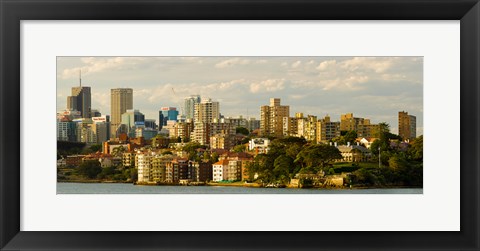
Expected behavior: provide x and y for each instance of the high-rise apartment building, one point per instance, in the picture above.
(203, 131)
(207, 111)
(350, 123)
(190, 106)
(181, 130)
(121, 101)
(81, 100)
(407, 125)
(290, 124)
(66, 130)
(327, 130)
(271, 118)
(362, 126)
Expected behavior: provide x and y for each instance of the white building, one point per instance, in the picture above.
(259, 145)
(143, 162)
(354, 153)
(220, 170)
(366, 141)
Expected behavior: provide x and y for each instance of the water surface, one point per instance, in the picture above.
(119, 188)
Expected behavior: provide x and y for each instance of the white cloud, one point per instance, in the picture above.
(297, 96)
(378, 65)
(100, 64)
(101, 101)
(269, 85)
(296, 64)
(232, 62)
(175, 93)
(327, 65)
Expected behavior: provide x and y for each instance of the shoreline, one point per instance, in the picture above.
(250, 185)
(94, 181)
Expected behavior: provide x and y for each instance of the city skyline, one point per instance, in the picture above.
(376, 88)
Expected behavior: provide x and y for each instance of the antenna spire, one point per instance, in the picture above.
(80, 77)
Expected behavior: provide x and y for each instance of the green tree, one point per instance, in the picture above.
(383, 142)
(345, 137)
(118, 151)
(351, 136)
(239, 148)
(415, 151)
(383, 127)
(242, 130)
(90, 168)
(397, 162)
(214, 157)
(282, 168)
(191, 149)
(96, 147)
(156, 141)
(317, 157)
(106, 172)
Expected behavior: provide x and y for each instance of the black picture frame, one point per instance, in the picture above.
(13, 11)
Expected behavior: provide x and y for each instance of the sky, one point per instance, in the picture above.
(369, 87)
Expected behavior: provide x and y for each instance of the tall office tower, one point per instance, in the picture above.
(81, 100)
(121, 101)
(207, 111)
(190, 106)
(271, 118)
(167, 114)
(72, 103)
(132, 119)
(150, 123)
(407, 125)
(101, 127)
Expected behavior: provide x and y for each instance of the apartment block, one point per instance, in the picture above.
(207, 111)
(327, 129)
(407, 125)
(362, 126)
(271, 118)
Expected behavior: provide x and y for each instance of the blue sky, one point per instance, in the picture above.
(370, 87)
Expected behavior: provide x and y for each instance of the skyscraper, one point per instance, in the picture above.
(407, 125)
(132, 119)
(190, 106)
(207, 111)
(271, 118)
(81, 100)
(166, 114)
(121, 101)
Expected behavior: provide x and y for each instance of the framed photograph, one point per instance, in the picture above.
(239, 125)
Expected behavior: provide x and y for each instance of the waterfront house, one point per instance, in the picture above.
(220, 170)
(354, 153)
